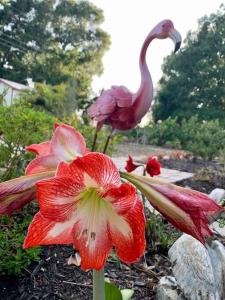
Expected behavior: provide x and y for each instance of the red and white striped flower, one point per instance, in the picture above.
(87, 206)
(66, 144)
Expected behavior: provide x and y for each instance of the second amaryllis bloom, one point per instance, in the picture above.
(188, 210)
(66, 144)
(87, 206)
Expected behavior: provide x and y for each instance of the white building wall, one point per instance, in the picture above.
(10, 95)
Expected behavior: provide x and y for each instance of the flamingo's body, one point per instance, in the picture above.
(121, 108)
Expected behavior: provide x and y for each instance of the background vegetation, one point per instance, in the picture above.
(204, 139)
(193, 81)
(52, 42)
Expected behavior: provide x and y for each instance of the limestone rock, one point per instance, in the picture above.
(199, 270)
(167, 289)
(217, 195)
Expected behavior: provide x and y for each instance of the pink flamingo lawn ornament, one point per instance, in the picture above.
(121, 108)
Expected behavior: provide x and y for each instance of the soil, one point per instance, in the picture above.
(52, 278)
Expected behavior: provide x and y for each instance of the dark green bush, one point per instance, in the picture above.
(201, 138)
(13, 258)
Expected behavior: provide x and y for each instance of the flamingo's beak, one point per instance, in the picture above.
(176, 38)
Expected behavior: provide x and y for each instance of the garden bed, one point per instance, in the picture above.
(52, 278)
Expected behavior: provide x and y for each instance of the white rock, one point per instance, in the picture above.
(167, 289)
(197, 269)
(217, 195)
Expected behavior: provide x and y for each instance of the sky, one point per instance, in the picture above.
(129, 21)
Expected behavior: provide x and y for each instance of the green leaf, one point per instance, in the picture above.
(127, 294)
(112, 292)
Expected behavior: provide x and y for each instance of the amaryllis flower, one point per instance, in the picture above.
(87, 206)
(130, 165)
(66, 144)
(153, 167)
(188, 210)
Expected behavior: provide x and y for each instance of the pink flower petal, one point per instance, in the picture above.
(39, 149)
(130, 249)
(15, 193)
(43, 231)
(67, 143)
(42, 163)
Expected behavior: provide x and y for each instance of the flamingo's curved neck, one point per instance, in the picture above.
(144, 95)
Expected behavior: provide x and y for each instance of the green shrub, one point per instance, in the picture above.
(201, 138)
(20, 126)
(13, 258)
(205, 139)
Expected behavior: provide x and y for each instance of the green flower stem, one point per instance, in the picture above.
(98, 285)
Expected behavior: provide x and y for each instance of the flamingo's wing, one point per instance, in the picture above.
(122, 96)
(110, 100)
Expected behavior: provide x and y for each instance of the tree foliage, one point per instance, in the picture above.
(194, 80)
(52, 41)
(56, 100)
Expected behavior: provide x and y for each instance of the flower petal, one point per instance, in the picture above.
(130, 165)
(64, 170)
(43, 163)
(57, 197)
(130, 248)
(95, 253)
(15, 193)
(43, 231)
(67, 143)
(39, 149)
(100, 168)
(121, 198)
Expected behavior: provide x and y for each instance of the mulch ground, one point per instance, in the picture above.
(52, 278)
